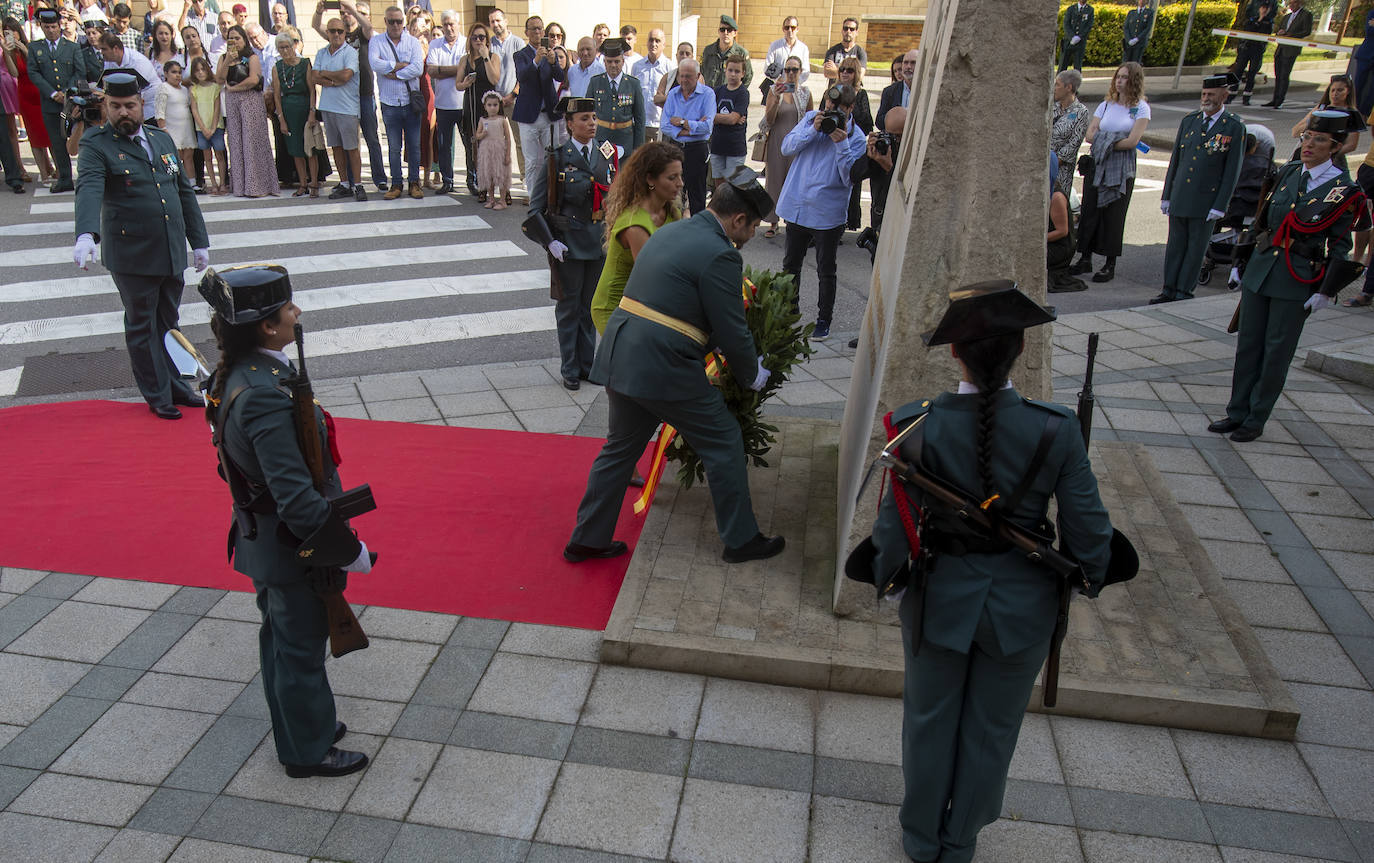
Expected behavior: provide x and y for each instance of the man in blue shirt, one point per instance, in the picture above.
(534, 103)
(815, 196)
(688, 117)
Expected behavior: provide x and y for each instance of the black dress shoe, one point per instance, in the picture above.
(1223, 426)
(1271, 104)
(574, 553)
(1162, 298)
(1245, 100)
(758, 548)
(339, 731)
(60, 186)
(17, 188)
(1084, 264)
(571, 383)
(337, 762)
(1244, 435)
(166, 412)
(193, 401)
(1106, 274)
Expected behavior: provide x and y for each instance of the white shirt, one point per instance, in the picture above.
(1320, 174)
(649, 74)
(779, 51)
(446, 93)
(631, 58)
(143, 66)
(395, 91)
(966, 388)
(1116, 117)
(268, 58)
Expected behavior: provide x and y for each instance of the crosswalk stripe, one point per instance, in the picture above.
(294, 236)
(428, 331)
(59, 206)
(9, 380)
(302, 211)
(85, 286)
(349, 296)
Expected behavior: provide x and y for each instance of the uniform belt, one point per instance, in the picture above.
(607, 124)
(639, 310)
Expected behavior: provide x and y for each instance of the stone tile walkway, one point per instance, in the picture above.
(144, 738)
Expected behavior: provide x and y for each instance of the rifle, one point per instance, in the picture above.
(345, 632)
(1249, 239)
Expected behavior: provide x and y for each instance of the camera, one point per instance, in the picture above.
(831, 120)
(83, 105)
(868, 239)
(885, 144)
(774, 71)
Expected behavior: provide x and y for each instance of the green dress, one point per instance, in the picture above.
(611, 286)
(295, 102)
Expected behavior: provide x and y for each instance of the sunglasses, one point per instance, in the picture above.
(479, 37)
(398, 21)
(793, 27)
(793, 70)
(850, 29)
(336, 30)
(726, 30)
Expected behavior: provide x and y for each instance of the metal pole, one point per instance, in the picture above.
(1183, 52)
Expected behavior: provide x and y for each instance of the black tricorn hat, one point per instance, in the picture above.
(984, 310)
(122, 83)
(746, 182)
(613, 48)
(1330, 122)
(243, 295)
(1212, 81)
(47, 16)
(579, 104)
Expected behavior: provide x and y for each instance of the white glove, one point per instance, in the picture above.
(1164, 207)
(201, 259)
(1133, 41)
(1317, 302)
(1234, 278)
(1075, 40)
(363, 565)
(558, 250)
(760, 379)
(1213, 215)
(84, 250)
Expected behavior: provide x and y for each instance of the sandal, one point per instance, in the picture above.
(301, 192)
(1359, 301)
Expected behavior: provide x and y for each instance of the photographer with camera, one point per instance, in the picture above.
(83, 109)
(876, 165)
(815, 197)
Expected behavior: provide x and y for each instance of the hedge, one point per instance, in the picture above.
(1104, 40)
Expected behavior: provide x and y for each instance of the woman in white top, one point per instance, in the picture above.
(1102, 223)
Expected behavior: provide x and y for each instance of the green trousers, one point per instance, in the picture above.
(291, 644)
(1188, 238)
(1265, 345)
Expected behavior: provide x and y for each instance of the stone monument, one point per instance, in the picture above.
(969, 201)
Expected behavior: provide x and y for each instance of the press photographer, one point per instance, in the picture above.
(876, 165)
(83, 109)
(824, 145)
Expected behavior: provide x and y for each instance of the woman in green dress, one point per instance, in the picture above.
(642, 199)
(296, 100)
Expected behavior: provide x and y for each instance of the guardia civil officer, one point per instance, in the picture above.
(1135, 33)
(1307, 220)
(136, 200)
(1208, 152)
(251, 413)
(683, 298)
(619, 101)
(55, 64)
(579, 176)
(988, 611)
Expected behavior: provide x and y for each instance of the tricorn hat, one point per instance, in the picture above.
(1330, 122)
(243, 295)
(47, 16)
(746, 182)
(613, 48)
(984, 310)
(579, 104)
(1211, 81)
(122, 83)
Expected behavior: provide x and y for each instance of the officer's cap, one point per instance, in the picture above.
(746, 182)
(579, 104)
(1212, 81)
(727, 21)
(243, 295)
(122, 83)
(613, 48)
(47, 16)
(1330, 122)
(984, 310)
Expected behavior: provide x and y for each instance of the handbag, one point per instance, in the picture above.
(238, 73)
(760, 139)
(417, 96)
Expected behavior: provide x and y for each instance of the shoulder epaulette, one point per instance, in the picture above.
(1049, 407)
(910, 411)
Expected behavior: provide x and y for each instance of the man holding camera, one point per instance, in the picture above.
(815, 197)
(54, 65)
(133, 191)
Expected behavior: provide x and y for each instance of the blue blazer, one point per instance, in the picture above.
(537, 90)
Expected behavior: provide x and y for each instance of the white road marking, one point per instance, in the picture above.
(428, 331)
(9, 381)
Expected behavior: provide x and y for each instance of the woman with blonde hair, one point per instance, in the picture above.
(1114, 131)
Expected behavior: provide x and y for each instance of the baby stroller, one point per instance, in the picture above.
(1240, 212)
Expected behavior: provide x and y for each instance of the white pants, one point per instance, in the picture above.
(535, 138)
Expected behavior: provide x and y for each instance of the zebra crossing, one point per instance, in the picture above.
(384, 285)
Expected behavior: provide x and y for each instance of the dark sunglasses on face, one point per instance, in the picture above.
(336, 30)
(793, 70)
(400, 22)
(793, 27)
(726, 30)
(850, 29)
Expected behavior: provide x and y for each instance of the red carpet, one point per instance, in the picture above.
(468, 521)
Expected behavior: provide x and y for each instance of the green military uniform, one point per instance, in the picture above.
(713, 64)
(578, 225)
(1202, 174)
(1271, 302)
(1137, 27)
(1078, 21)
(652, 372)
(619, 112)
(143, 212)
(53, 70)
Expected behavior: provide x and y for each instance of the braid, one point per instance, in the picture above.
(988, 362)
(234, 343)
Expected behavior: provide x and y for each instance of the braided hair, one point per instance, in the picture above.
(988, 362)
(235, 342)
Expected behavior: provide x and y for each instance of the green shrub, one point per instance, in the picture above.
(1104, 41)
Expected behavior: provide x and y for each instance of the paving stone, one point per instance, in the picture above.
(16, 580)
(1334, 715)
(76, 798)
(1215, 522)
(426, 722)
(1193, 488)
(237, 606)
(1286, 468)
(723, 822)
(22, 612)
(535, 687)
(512, 734)
(605, 809)
(26, 837)
(201, 694)
(138, 846)
(560, 642)
(1035, 757)
(134, 743)
(262, 778)
(757, 714)
(1120, 757)
(389, 669)
(1115, 848)
(1119, 812)
(101, 628)
(366, 715)
(106, 682)
(1005, 840)
(1336, 533)
(50, 735)
(859, 780)
(404, 410)
(562, 420)
(1248, 772)
(252, 703)
(629, 751)
(359, 839)
(222, 649)
(485, 792)
(843, 831)
(398, 623)
(1247, 855)
(1308, 657)
(1274, 605)
(744, 765)
(59, 585)
(153, 638)
(542, 853)
(462, 379)
(8, 733)
(1361, 833)
(13, 780)
(1344, 777)
(201, 851)
(289, 829)
(31, 684)
(219, 754)
(1356, 570)
(453, 675)
(859, 727)
(394, 777)
(1338, 613)
(126, 592)
(193, 600)
(416, 843)
(644, 700)
(479, 632)
(171, 811)
(498, 422)
(1284, 832)
(1024, 800)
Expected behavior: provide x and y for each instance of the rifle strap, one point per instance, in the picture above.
(899, 494)
(1037, 462)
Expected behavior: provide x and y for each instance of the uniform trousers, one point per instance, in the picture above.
(150, 310)
(961, 716)
(704, 422)
(573, 316)
(1188, 238)
(445, 121)
(57, 138)
(291, 648)
(1133, 53)
(1268, 338)
(1072, 55)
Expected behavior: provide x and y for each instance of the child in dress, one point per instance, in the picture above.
(173, 105)
(205, 111)
(493, 153)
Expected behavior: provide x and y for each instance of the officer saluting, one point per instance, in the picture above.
(619, 101)
(54, 65)
(133, 191)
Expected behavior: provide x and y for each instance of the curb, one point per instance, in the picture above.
(1351, 361)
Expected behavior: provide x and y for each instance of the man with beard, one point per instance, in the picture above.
(132, 189)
